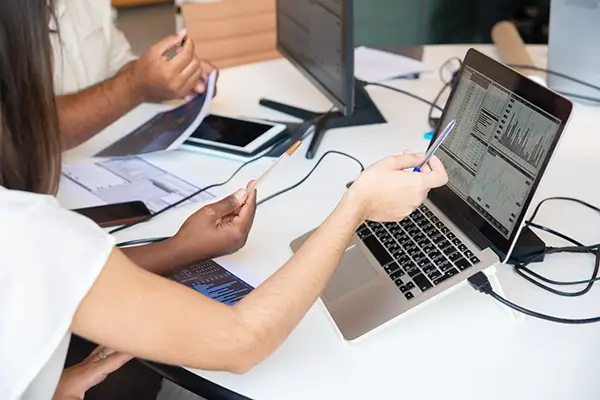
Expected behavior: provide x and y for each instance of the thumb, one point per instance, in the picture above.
(230, 203)
(169, 42)
(405, 161)
(96, 372)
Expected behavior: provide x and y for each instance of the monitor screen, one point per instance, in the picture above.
(497, 150)
(317, 37)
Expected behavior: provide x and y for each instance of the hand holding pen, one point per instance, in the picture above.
(436, 145)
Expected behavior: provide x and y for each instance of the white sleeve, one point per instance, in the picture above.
(49, 259)
(119, 48)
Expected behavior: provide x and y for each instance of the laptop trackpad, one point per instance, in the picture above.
(354, 270)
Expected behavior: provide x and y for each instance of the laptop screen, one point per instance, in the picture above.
(496, 150)
(507, 128)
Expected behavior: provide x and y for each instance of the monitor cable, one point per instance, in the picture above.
(481, 283)
(303, 125)
(404, 92)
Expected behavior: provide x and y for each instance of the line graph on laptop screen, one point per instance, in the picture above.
(495, 153)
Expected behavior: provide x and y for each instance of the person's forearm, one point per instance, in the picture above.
(85, 113)
(139, 313)
(273, 309)
(161, 258)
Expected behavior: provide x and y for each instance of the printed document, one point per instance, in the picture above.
(166, 130)
(127, 179)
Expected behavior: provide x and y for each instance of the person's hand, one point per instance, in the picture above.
(207, 68)
(78, 379)
(220, 228)
(389, 190)
(155, 77)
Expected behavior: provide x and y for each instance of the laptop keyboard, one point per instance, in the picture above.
(418, 252)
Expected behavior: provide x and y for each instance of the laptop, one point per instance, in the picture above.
(507, 128)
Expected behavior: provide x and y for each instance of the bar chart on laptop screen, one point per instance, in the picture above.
(525, 135)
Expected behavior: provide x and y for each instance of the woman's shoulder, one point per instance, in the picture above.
(49, 259)
(25, 212)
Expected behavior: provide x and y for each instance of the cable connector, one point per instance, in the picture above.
(481, 283)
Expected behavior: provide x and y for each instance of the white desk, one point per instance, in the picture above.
(462, 347)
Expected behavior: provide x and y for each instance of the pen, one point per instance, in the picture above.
(436, 144)
(291, 150)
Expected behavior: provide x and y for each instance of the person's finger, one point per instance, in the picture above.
(95, 355)
(437, 175)
(250, 184)
(426, 167)
(246, 214)
(207, 68)
(168, 43)
(404, 161)
(193, 69)
(190, 84)
(185, 57)
(96, 373)
(200, 87)
(229, 204)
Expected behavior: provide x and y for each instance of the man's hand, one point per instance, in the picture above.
(155, 77)
(220, 228)
(207, 68)
(80, 378)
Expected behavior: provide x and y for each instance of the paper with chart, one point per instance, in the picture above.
(127, 179)
(166, 130)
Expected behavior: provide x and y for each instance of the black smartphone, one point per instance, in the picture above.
(116, 214)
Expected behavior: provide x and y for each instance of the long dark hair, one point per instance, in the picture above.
(30, 147)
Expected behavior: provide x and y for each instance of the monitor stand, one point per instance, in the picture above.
(365, 113)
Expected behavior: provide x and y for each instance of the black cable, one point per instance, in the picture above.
(532, 68)
(266, 199)
(555, 73)
(579, 96)
(534, 278)
(433, 122)
(187, 198)
(281, 192)
(562, 198)
(481, 283)
(204, 189)
(409, 94)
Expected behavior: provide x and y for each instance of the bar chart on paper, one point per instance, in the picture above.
(525, 135)
(214, 281)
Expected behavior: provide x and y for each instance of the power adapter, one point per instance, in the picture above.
(530, 248)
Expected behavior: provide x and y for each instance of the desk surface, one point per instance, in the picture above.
(462, 346)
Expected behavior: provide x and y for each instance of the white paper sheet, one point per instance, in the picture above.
(127, 179)
(166, 130)
(373, 65)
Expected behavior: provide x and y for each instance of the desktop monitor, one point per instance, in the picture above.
(572, 43)
(317, 37)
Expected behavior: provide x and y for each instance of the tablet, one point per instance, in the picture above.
(237, 134)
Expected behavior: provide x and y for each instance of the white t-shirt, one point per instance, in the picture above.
(89, 48)
(49, 259)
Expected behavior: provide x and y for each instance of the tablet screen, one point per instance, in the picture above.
(233, 132)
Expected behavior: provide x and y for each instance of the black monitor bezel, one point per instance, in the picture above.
(457, 209)
(344, 105)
